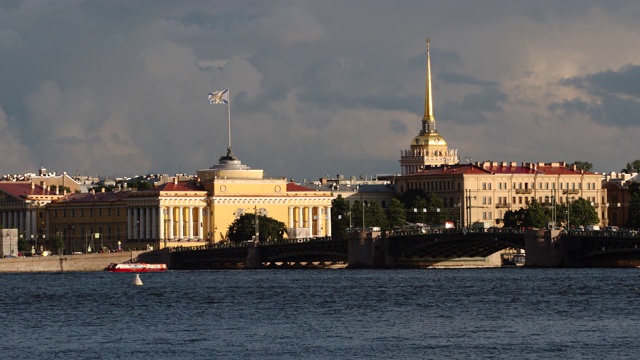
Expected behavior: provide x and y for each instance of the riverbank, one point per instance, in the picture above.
(66, 263)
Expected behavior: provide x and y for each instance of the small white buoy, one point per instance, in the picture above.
(137, 281)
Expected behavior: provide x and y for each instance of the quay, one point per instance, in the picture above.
(66, 263)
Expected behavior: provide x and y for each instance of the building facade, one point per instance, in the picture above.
(187, 212)
(484, 191)
(617, 187)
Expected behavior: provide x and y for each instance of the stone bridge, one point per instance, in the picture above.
(544, 248)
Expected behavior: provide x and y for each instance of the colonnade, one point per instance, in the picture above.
(305, 217)
(24, 220)
(170, 223)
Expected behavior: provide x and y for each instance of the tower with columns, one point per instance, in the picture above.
(428, 148)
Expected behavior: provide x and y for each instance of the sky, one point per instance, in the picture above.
(317, 88)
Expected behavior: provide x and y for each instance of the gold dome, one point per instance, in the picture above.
(428, 139)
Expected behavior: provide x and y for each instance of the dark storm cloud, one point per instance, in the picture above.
(618, 94)
(625, 81)
(455, 78)
(610, 111)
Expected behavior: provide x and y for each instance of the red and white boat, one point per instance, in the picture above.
(136, 267)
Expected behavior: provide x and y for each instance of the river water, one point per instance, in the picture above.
(323, 314)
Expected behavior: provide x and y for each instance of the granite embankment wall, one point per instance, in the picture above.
(63, 263)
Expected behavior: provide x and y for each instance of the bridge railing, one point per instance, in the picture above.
(231, 244)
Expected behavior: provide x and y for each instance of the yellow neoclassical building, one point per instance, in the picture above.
(199, 211)
(181, 212)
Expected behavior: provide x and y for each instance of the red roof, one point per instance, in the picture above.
(295, 187)
(180, 186)
(499, 168)
(23, 189)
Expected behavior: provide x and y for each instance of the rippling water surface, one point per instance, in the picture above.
(323, 314)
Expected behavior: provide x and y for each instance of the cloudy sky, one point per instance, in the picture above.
(317, 87)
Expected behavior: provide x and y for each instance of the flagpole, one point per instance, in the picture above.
(229, 115)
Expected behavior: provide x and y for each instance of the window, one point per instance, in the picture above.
(489, 200)
(73, 212)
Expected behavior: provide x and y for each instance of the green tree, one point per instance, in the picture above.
(582, 213)
(243, 228)
(374, 215)
(633, 221)
(633, 166)
(536, 216)
(396, 215)
(339, 217)
(356, 214)
(23, 245)
(57, 244)
(583, 165)
(140, 185)
(514, 218)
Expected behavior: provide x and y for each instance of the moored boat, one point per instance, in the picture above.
(136, 267)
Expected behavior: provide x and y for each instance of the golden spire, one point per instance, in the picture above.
(428, 100)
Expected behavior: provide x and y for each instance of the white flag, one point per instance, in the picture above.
(219, 97)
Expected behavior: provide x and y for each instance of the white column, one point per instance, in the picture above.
(190, 223)
(200, 223)
(161, 234)
(300, 218)
(180, 222)
(136, 224)
(171, 233)
(147, 223)
(154, 223)
(319, 221)
(27, 224)
(310, 220)
(129, 223)
(290, 222)
(328, 220)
